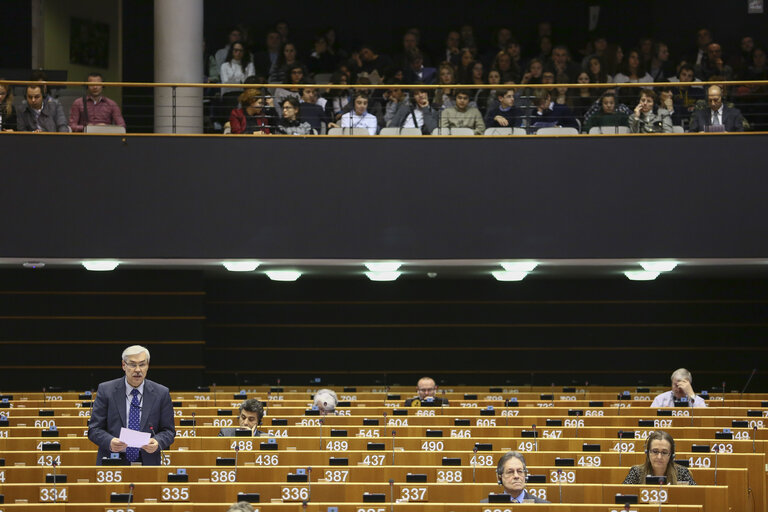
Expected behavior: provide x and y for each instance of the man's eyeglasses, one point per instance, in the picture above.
(132, 365)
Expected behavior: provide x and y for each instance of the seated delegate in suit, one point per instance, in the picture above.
(426, 389)
(511, 472)
(681, 388)
(659, 461)
(133, 402)
(250, 415)
(718, 117)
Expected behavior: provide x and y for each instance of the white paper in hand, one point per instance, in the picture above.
(134, 438)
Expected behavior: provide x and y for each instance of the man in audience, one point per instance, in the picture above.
(265, 59)
(416, 114)
(462, 115)
(40, 115)
(681, 388)
(506, 114)
(703, 39)
(687, 95)
(426, 390)
(668, 101)
(136, 403)
(714, 65)
(718, 117)
(250, 414)
(368, 61)
(416, 73)
(310, 109)
(359, 116)
(94, 108)
(561, 64)
(511, 473)
(235, 35)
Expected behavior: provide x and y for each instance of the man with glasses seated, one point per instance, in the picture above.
(426, 390)
(512, 472)
(135, 403)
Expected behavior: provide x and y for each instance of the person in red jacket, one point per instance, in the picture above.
(252, 116)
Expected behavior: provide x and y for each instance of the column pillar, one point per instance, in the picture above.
(179, 59)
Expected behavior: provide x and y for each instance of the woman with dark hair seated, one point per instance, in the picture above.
(290, 124)
(252, 117)
(608, 115)
(659, 461)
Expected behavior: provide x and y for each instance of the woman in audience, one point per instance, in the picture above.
(338, 99)
(659, 461)
(596, 72)
(485, 99)
(464, 72)
(236, 69)
(647, 118)
(535, 70)
(7, 110)
(632, 71)
(444, 95)
(294, 76)
(583, 97)
(660, 67)
(253, 116)
(287, 58)
(607, 115)
(290, 124)
(503, 64)
(322, 60)
(613, 60)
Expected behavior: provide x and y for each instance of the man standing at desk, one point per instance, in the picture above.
(136, 403)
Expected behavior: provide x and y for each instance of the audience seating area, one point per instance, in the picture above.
(376, 455)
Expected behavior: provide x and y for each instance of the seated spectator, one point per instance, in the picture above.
(598, 51)
(506, 114)
(359, 116)
(250, 414)
(462, 115)
(596, 71)
(758, 69)
(667, 100)
(584, 96)
(40, 115)
(486, 99)
(287, 59)
(535, 70)
(290, 123)
(464, 69)
(416, 73)
(503, 64)
(633, 71)
(94, 108)
(444, 95)
(394, 97)
(687, 95)
(294, 76)
(659, 461)
(321, 60)
(415, 114)
(714, 65)
(451, 54)
(647, 117)
(561, 64)
(236, 69)
(222, 55)
(325, 400)
(607, 116)
(660, 67)
(7, 110)
(338, 99)
(265, 59)
(546, 113)
(252, 117)
(311, 111)
(613, 60)
(368, 61)
(718, 117)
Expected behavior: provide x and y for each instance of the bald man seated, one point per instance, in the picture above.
(426, 390)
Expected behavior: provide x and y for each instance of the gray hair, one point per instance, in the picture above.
(135, 350)
(682, 373)
(240, 506)
(504, 458)
(326, 400)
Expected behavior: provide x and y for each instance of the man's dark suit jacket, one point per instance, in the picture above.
(526, 496)
(732, 120)
(109, 416)
(437, 402)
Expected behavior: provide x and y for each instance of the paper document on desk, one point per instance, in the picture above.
(134, 438)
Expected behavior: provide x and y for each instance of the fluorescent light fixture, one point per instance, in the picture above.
(383, 266)
(502, 275)
(283, 275)
(241, 266)
(101, 265)
(383, 276)
(519, 266)
(658, 266)
(641, 275)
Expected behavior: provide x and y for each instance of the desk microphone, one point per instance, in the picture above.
(618, 445)
(309, 485)
(442, 403)
(152, 433)
(535, 437)
(391, 495)
(560, 483)
(662, 481)
(214, 395)
(723, 393)
(130, 493)
(474, 463)
(754, 436)
(754, 371)
(393, 447)
(322, 422)
(237, 452)
(55, 494)
(45, 398)
(385, 418)
(717, 450)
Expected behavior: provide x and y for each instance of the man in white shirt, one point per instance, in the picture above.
(359, 117)
(681, 388)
